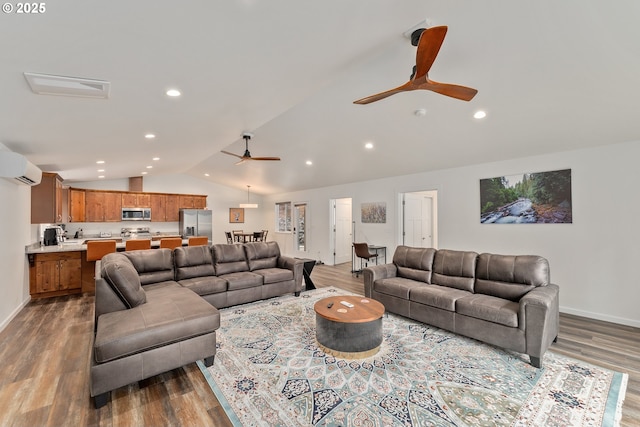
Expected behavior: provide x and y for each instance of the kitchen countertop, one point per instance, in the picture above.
(71, 245)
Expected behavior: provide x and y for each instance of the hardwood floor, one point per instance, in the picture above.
(45, 354)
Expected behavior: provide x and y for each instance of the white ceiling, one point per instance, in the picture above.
(551, 75)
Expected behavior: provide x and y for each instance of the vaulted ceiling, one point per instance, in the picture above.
(551, 76)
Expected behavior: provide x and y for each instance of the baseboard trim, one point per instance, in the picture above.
(600, 316)
(13, 314)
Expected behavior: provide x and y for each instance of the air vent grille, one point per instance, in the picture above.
(46, 84)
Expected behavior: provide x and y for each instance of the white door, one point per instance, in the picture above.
(342, 230)
(300, 234)
(418, 220)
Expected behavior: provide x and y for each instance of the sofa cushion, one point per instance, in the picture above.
(275, 275)
(192, 262)
(414, 263)
(242, 280)
(229, 258)
(171, 314)
(396, 286)
(205, 285)
(454, 269)
(153, 265)
(491, 309)
(437, 296)
(123, 278)
(262, 254)
(510, 276)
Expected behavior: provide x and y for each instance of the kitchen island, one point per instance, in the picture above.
(63, 269)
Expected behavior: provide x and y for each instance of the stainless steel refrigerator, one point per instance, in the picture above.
(196, 222)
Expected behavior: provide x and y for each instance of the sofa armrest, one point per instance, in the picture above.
(295, 265)
(539, 317)
(375, 272)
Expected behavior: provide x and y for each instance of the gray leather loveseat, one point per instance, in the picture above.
(156, 309)
(504, 300)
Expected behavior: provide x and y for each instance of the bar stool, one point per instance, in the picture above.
(170, 242)
(96, 249)
(198, 241)
(137, 244)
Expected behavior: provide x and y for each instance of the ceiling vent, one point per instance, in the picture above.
(16, 168)
(46, 84)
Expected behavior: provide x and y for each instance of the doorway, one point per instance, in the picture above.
(341, 230)
(419, 219)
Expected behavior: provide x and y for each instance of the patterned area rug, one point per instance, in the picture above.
(269, 371)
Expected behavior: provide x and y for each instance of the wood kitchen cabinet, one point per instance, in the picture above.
(193, 202)
(54, 274)
(172, 208)
(136, 200)
(103, 206)
(76, 205)
(158, 207)
(47, 201)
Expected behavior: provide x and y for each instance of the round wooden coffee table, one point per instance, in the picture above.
(349, 332)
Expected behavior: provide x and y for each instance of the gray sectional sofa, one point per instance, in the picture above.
(503, 300)
(156, 309)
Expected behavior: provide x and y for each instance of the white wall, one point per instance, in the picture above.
(593, 259)
(15, 233)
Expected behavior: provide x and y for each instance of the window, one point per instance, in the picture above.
(283, 217)
(300, 228)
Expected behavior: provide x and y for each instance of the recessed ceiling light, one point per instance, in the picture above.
(143, 173)
(156, 158)
(309, 162)
(101, 176)
(368, 145)
(100, 162)
(173, 93)
(206, 174)
(149, 167)
(100, 170)
(480, 114)
(149, 136)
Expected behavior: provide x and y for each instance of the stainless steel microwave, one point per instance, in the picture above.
(136, 214)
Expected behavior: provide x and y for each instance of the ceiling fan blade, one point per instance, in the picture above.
(455, 91)
(265, 158)
(378, 96)
(428, 48)
(231, 154)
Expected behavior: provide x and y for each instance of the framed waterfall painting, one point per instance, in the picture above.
(527, 198)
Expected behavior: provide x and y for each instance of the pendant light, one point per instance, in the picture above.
(248, 205)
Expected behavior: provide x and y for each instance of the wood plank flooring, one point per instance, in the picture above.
(45, 350)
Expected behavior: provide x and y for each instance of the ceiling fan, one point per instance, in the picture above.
(428, 42)
(247, 155)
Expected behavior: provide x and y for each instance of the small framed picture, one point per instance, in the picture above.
(236, 215)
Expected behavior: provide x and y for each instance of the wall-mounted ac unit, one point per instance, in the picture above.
(16, 168)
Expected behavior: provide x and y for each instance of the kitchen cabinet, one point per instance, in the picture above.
(54, 274)
(136, 200)
(193, 202)
(76, 205)
(47, 200)
(158, 207)
(172, 208)
(103, 206)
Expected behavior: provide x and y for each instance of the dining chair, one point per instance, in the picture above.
(258, 236)
(96, 249)
(170, 242)
(198, 241)
(229, 236)
(236, 235)
(264, 235)
(137, 244)
(362, 252)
